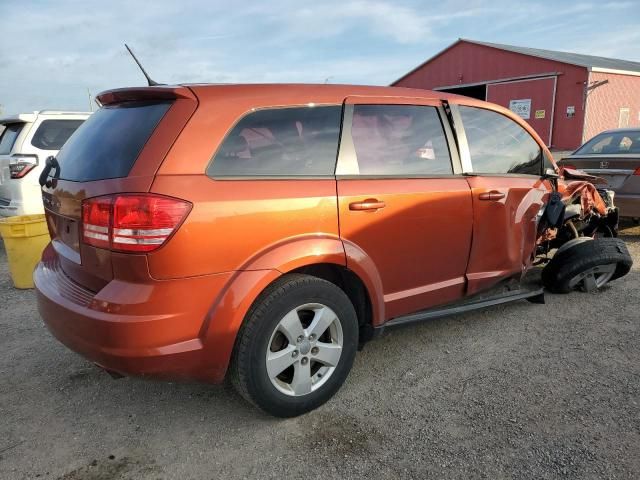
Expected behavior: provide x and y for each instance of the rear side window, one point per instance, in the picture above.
(499, 145)
(299, 141)
(399, 140)
(51, 134)
(108, 143)
(9, 136)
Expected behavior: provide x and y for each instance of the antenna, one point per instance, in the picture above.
(150, 81)
(90, 104)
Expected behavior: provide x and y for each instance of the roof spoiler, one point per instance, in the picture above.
(134, 94)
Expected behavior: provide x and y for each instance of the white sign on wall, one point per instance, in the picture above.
(521, 107)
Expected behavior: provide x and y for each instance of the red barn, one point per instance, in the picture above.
(566, 97)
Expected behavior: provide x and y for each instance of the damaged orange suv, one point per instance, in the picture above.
(264, 232)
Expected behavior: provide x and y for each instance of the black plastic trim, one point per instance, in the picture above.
(395, 177)
(536, 295)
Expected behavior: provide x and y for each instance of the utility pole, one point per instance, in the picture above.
(90, 102)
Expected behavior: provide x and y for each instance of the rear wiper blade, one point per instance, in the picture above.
(50, 162)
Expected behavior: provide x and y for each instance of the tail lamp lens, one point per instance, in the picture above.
(131, 223)
(20, 165)
(96, 220)
(637, 171)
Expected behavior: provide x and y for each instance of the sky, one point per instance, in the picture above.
(54, 53)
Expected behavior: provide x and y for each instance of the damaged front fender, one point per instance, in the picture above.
(576, 208)
(585, 193)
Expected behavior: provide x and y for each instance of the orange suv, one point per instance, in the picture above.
(269, 230)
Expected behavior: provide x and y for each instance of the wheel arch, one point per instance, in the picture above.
(320, 256)
(319, 252)
(352, 285)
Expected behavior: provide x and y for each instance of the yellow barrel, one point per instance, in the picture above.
(25, 237)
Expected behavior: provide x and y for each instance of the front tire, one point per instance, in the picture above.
(586, 264)
(296, 346)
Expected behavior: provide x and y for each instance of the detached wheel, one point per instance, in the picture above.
(296, 346)
(586, 264)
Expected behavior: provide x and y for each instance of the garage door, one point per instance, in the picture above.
(532, 99)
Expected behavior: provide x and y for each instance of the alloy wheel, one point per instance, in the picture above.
(594, 278)
(304, 349)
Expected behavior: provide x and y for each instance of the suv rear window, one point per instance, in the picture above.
(51, 134)
(8, 137)
(298, 141)
(108, 143)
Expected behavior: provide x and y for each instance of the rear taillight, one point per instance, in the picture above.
(96, 221)
(131, 222)
(21, 164)
(636, 171)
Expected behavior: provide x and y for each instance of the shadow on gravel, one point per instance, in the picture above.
(629, 231)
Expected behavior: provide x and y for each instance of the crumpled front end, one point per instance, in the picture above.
(581, 209)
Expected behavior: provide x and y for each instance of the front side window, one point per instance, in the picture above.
(399, 140)
(499, 145)
(51, 134)
(9, 136)
(298, 141)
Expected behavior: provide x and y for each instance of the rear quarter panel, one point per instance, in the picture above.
(249, 225)
(242, 224)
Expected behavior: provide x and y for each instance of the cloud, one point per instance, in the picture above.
(51, 52)
(622, 43)
(385, 19)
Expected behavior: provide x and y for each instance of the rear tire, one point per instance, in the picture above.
(296, 346)
(586, 264)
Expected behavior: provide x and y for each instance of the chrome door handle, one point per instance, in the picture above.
(492, 196)
(368, 204)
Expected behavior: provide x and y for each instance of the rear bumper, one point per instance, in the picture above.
(628, 205)
(141, 333)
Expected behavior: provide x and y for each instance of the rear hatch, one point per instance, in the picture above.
(117, 150)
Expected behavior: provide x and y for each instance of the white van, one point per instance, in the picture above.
(26, 140)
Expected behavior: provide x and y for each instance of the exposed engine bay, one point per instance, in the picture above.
(580, 224)
(577, 208)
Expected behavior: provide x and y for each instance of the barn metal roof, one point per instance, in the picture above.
(603, 64)
(589, 61)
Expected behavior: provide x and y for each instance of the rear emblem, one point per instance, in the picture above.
(604, 164)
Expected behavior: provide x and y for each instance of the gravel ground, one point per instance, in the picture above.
(514, 391)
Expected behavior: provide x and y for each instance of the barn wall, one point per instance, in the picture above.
(539, 91)
(466, 63)
(604, 103)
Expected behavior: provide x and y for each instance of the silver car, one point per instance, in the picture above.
(615, 156)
